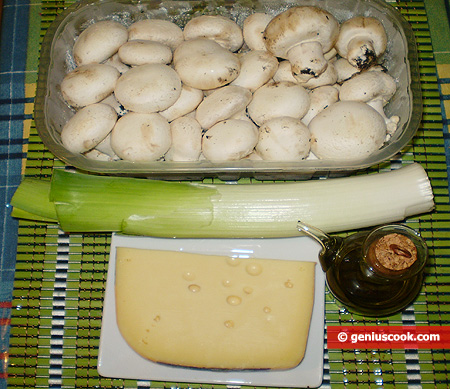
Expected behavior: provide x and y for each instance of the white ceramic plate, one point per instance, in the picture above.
(117, 360)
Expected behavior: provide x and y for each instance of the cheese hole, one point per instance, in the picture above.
(234, 300)
(233, 261)
(194, 288)
(189, 276)
(288, 284)
(254, 269)
(248, 290)
(226, 283)
(229, 323)
(267, 310)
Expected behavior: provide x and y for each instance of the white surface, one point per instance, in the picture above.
(116, 359)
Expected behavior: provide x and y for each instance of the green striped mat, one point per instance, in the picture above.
(60, 279)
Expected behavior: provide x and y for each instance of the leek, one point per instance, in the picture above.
(88, 203)
(35, 194)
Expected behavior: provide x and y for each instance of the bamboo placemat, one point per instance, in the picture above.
(60, 278)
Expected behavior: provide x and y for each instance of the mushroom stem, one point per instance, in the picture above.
(391, 122)
(361, 53)
(307, 60)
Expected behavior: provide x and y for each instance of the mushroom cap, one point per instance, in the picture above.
(141, 137)
(320, 97)
(278, 99)
(158, 30)
(330, 55)
(186, 140)
(89, 84)
(188, 101)
(99, 41)
(222, 104)
(361, 31)
(204, 64)
(328, 77)
(221, 29)
(112, 101)
(88, 127)
(115, 62)
(347, 130)
(97, 155)
(105, 148)
(368, 86)
(229, 140)
(298, 25)
(148, 88)
(344, 69)
(283, 139)
(253, 30)
(140, 52)
(284, 72)
(257, 68)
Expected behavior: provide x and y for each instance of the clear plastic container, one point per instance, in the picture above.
(52, 112)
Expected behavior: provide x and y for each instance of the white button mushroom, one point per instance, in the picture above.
(253, 156)
(221, 29)
(331, 55)
(157, 30)
(105, 148)
(242, 115)
(284, 73)
(115, 62)
(347, 130)
(112, 101)
(257, 68)
(88, 84)
(88, 127)
(186, 140)
(99, 41)
(141, 52)
(328, 77)
(229, 140)
(188, 101)
(344, 70)
(222, 104)
(148, 88)
(283, 139)
(142, 137)
(278, 99)
(97, 155)
(320, 98)
(253, 30)
(375, 88)
(302, 35)
(362, 40)
(203, 64)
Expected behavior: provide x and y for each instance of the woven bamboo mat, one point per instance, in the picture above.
(60, 279)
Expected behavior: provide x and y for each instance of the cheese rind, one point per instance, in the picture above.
(214, 312)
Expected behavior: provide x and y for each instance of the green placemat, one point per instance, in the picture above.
(60, 278)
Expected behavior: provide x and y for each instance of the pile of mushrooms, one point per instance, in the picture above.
(298, 85)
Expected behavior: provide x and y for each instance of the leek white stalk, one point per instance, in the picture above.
(273, 210)
(86, 203)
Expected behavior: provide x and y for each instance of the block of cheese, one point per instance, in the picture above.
(214, 312)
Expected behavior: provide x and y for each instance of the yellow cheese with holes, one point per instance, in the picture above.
(214, 312)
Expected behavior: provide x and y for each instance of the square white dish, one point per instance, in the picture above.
(117, 360)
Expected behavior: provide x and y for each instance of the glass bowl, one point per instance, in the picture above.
(52, 112)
